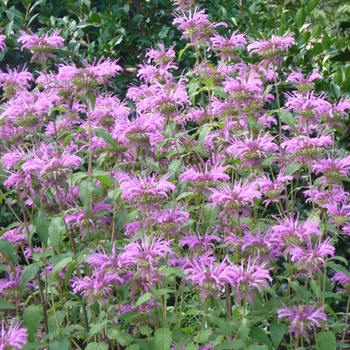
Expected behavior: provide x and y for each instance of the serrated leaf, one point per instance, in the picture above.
(31, 319)
(244, 329)
(61, 343)
(143, 299)
(97, 346)
(162, 338)
(28, 274)
(203, 335)
(292, 169)
(33, 346)
(122, 337)
(326, 341)
(7, 248)
(259, 336)
(42, 225)
(228, 345)
(222, 324)
(86, 189)
(6, 305)
(133, 347)
(96, 328)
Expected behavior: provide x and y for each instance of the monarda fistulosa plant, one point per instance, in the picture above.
(206, 211)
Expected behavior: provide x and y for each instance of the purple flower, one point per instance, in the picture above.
(271, 50)
(147, 192)
(199, 242)
(237, 199)
(313, 256)
(90, 77)
(2, 42)
(302, 318)
(334, 169)
(302, 83)
(339, 212)
(162, 56)
(208, 278)
(15, 80)
(343, 279)
(247, 277)
(171, 219)
(98, 287)
(203, 179)
(227, 47)
(14, 338)
(41, 46)
(251, 150)
(196, 26)
(16, 237)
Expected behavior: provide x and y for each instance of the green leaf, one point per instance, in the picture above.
(33, 346)
(228, 345)
(97, 328)
(287, 117)
(7, 248)
(42, 225)
(143, 299)
(184, 195)
(55, 233)
(244, 329)
(122, 337)
(221, 323)
(336, 90)
(310, 6)
(277, 331)
(31, 319)
(292, 168)
(6, 305)
(316, 31)
(300, 18)
(203, 335)
(326, 341)
(259, 336)
(192, 346)
(107, 137)
(133, 347)
(86, 189)
(257, 347)
(28, 274)
(61, 343)
(326, 41)
(97, 346)
(59, 266)
(162, 338)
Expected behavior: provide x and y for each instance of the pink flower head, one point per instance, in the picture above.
(247, 277)
(235, 200)
(147, 192)
(199, 242)
(2, 42)
(339, 212)
(271, 50)
(208, 278)
(14, 338)
(162, 56)
(303, 84)
(15, 80)
(313, 256)
(334, 169)
(41, 46)
(343, 279)
(202, 178)
(90, 76)
(302, 318)
(227, 47)
(252, 150)
(196, 26)
(171, 219)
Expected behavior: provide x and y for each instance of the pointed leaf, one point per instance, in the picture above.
(28, 274)
(143, 299)
(97, 346)
(31, 319)
(42, 225)
(162, 338)
(300, 18)
(326, 341)
(61, 343)
(259, 336)
(7, 248)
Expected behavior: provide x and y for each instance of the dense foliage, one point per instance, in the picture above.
(174, 176)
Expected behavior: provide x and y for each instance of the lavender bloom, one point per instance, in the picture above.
(339, 212)
(15, 80)
(2, 42)
(247, 278)
(343, 279)
(196, 26)
(251, 150)
(16, 237)
(235, 200)
(333, 116)
(306, 149)
(208, 278)
(203, 179)
(147, 192)
(199, 242)
(322, 197)
(302, 318)
(162, 56)
(334, 169)
(302, 83)
(227, 47)
(271, 50)
(312, 257)
(14, 338)
(98, 287)
(41, 46)
(90, 77)
(171, 219)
